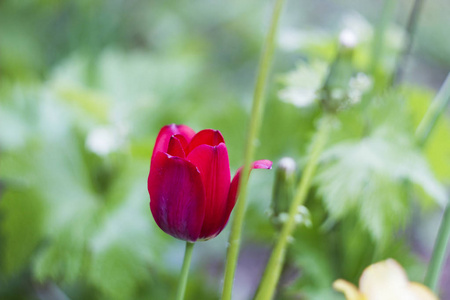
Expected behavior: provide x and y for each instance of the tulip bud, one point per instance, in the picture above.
(283, 189)
(334, 94)
(348, 39)
(283, 194)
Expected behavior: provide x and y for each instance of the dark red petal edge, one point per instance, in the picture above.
(183, 141)
(205, 137)
(175, 147)
(164, 135)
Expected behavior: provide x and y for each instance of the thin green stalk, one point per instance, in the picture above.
(423, 132)
(433, 113)
(378, 40)
(255, 124)
(185, 271)
(439, 251)
(273, 269)
(410, 30)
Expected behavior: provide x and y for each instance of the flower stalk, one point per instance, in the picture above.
(272, 273)
(433, 113)
(378, 43)
(185, 271)
(413, 20)
(423, 132)
(439, 251)
(253, 132)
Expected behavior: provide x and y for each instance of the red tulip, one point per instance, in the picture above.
(191, 197)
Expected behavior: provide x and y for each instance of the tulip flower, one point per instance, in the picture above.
(191, 196)
(385, 280)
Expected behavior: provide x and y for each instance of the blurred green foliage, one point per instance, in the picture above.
(85, 87)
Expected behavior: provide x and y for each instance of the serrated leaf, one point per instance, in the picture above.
(368, 176)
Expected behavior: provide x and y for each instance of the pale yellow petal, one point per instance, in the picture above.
(385, 280)
(421, 292)
(348, 289)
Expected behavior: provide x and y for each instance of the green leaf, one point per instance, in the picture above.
(124, 244)
(368, 176)
(437, 148)
(71, 215)
(64, 257)
(302, 84)
(390, 111)
(22, 228)
(12, 130)
(117, 272)
(312, 254)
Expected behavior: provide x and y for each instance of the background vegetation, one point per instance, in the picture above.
(85, 87)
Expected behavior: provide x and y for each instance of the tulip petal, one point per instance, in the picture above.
(163, 139)
(385, 280)
(214, 167)
(348, 289)
(183, 141)
(421, 292)
(175, 146)
(259, 164)
(232, 194)
(207, 136)
(177, 197)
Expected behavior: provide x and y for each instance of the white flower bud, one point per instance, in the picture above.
(348, 39)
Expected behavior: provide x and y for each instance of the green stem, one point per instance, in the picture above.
(185, 271)
(273, 269)
(378, 40)
(255, 124)
(439, 251)
(410, 29)
(423, 132)
(433, 113)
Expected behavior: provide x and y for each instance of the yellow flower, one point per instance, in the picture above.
(385, 280)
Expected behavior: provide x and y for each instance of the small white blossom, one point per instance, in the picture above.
(283, 217)
(303, 83)
(358, 85)
(288, 165)
(348, 38)
(103, 140)
(358, 25)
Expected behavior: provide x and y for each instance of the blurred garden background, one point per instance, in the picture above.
(85, 87)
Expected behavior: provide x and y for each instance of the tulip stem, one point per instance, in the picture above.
(185, 271)
(423, 132)
(272, 273)
(253, 132)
